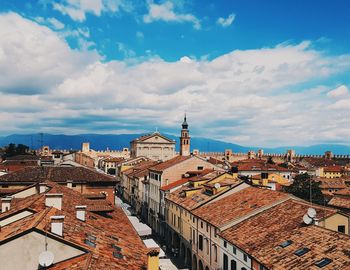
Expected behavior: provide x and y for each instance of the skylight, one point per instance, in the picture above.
(90, 240)
(286, 243)
(89, 243)
(301, 251)
(117, 252)
(323, 262)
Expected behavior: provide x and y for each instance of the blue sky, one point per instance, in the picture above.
(264, 73)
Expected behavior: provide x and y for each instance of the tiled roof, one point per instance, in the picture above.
(333, 183)
(261, 235)
(320, 162)
(238, 205)
(23, 157)
(333, 169)
(56, 174)
(258, 165)
(115, 229)
(175, 184)
(169, 163)
(197, 197)
(340, 202)
(141, 169)
(114, 159)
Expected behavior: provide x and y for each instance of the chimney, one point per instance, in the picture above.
(81, 212)
(5, 204)
(54, 200)
(57, 225)
(42, 187)
(153, 259)
(69, 184)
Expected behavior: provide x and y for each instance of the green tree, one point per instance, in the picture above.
(301, 188)
(13, 150)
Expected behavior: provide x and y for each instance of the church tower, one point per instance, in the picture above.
(185, 139)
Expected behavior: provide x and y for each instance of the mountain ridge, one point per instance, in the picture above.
(118, 141)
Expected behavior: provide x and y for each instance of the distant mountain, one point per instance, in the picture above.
(117, 142)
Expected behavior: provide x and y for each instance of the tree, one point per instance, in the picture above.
(13, 150)
(301, 188)
(270, 161)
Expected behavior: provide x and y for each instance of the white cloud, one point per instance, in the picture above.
(246, 96)
(166, 12)
(77, 9)
(127, 53)
(340, 91)
(226, 22)
(33, 58)
(51, 22)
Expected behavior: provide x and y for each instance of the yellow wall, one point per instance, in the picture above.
(332, 175)
(334, 221)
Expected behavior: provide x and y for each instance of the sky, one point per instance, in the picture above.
(251, 72)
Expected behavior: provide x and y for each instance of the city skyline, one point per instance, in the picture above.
(245, 72)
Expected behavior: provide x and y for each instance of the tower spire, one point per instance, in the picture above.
(185, 139)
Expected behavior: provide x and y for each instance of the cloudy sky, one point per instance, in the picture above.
(252, 72)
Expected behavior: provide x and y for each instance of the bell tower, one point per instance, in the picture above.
(185, 139)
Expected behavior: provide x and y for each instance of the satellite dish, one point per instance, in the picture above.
(307, 220)
(46, 258)
(311, 212)
(217, 185)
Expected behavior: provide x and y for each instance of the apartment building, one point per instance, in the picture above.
(277, 238)
(56, 227)
(164, 174)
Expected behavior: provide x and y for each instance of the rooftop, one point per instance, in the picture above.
(169, 163)
(56, 174)
(106, 232)
(238, 205)
(262, 235)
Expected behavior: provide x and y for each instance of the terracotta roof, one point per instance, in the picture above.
(141, 169)
(56, 174)
(340, 202)
(238, 205)
(261, 235)
(333, 169)
(114, 229)
(320, 162)
(114, 159)
(169, 163)
(175, 184)
(23, 157)
(331, 183)
(258, 165)
(197, 196)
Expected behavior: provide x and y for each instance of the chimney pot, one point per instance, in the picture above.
(42, 187)
(81, 212)
(5, 204)
(57, 225)
(54, 200)
(69, 184)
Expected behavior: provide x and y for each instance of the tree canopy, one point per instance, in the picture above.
(301, 188)
(13, 150)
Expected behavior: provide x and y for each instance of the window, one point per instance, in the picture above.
(200, 242)
(215, 253)
(341, 228)
(199, 168)
(261, 267)
(286, 243)
(202, 224)
(194, 237)
(225, 262)
(207, 246)
(207, 227)
(301, 251)
(245, 257)
(233, 265)
(323, 262)
(225, 244)
(234, 250)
